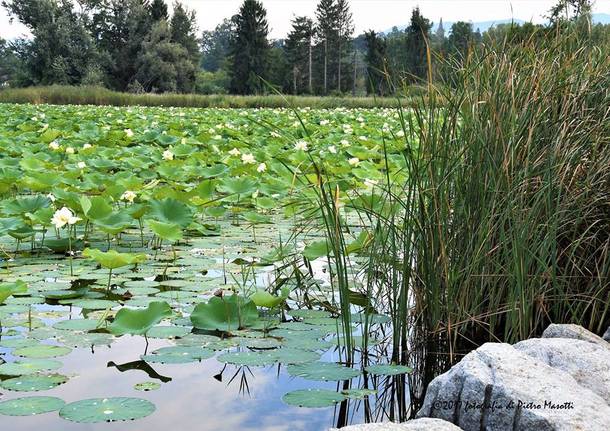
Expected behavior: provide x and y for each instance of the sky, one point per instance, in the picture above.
(377, 15)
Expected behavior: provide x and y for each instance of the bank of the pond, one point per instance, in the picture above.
(87, 95)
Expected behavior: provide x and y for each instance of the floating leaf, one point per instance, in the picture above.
(107, 410)
(313, 398)
(388, 369)
(29, 406)
(323, 371)
(42, 351)
(33, 383)
(29, 366)
(147, 386)
(248, 358)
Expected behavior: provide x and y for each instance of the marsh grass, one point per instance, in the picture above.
(503, 225)
(71, 95)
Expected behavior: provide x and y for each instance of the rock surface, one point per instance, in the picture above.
(588, 363)
(498, 387)
(607, 335)
(572, 331)
(423, 424)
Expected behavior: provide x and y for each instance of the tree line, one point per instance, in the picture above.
(136, 46)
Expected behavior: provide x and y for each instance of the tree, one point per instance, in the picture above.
(417, 36)
(164, 65)
(120, 27)
(249, 48)
(326, 31)
(215, 45)
(183, 27)
(460, 39)
(345, 29)
(158, 10)
(62, 50)
(9, 63)
(299, 52)
(375, 63)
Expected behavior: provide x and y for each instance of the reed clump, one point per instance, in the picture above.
(91, 95)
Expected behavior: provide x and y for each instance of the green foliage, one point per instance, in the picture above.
(225, 314)
(113, 259)
(8, 289)
(138, 322)
(249, 49)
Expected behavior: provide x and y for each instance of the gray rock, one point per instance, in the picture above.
(572, 331)
(588, 363)
(422, 424)
(607, 335)
(497, 387)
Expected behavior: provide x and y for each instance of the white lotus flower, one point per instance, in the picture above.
(54, 145)
(369, 183)
(363, 138)
(324, 123)
(248, 159)
(51, 197)
(261, 168)
(332, 149)
(69, 150)
(128, 132)
(300, 146)
(255, 194)
(235, 152)
(354, 161)
(81, 165)
(87, 146)
(217, 137)
(345, 143)
(64, 217)
(128, 196)
(168, 155)
(400, 133)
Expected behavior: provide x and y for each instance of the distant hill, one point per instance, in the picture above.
(598, 18)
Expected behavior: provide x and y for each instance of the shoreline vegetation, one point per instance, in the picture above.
(94, 95)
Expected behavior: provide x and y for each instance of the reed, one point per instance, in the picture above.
(502, 225)
(70, 95)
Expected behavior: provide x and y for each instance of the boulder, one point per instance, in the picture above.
(572, 331)
(422, 424)
(588, 363)
(607, 335)
(498, 387)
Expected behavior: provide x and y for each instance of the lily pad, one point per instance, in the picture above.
(29, 366)
(147, 386)
(33, 383)
(96, 410)
(42, 351)
(29, 406)
(248, 358)
(77, 324)
(178, 355)
(313, 398)
(388, 369)
(322, 371)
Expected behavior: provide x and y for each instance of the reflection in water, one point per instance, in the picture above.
(142, 366)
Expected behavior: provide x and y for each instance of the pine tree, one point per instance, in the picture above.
(417, 37)
(375, 63)
(158, 10)
(345, 29)
(183, 28)
(249, 48)
(326, 15)
(299, 52)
